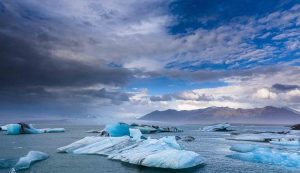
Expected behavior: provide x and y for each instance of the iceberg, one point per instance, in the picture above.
(265, 155)
(52, 130)
(160, 153)
(217, 127)
(146, 129)
(22, 128)
(31, 157)
(118, 129)
(136, 134)
(3, 128)
(260, 137)
(245, 148)
(286, 141)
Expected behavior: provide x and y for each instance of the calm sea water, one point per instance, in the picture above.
(211, 145)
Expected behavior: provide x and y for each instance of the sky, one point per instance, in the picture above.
(116, 58)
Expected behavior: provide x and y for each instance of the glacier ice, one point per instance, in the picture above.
(265, 155)
(243, 148)
(13, 129)
(161, 153)
(286, 141)
(136, 134)
(4, 128)
(31, 157)
(21, 128)
(145, 129)
(117, 129)
(260, 137)
(217, 127)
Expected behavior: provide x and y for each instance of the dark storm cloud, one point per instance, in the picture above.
(284, 87)
(115, 96)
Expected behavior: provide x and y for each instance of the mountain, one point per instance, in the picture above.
(265, 115)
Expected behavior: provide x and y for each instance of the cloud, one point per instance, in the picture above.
(161, 98)
(265, 93)
(284, 87)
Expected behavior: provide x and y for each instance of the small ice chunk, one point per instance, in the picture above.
(145, 129)
(4, 128)
(217, 127)
(31, 157)
(52, 130)
(136, 134)
(117, 130)
(244, 148)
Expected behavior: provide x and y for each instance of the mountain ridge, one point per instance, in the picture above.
(270, 114)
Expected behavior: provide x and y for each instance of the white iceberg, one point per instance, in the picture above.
(266, 155)
(145, 129)
(31, 157)
(22, 128)
(260, 137)
(3, 128)
(217, 127)
(160, 153)
(136, 134)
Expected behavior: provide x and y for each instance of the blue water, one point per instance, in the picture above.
(211, 145)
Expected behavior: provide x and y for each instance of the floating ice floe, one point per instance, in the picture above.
(261, 137)
(265, 155)
(26, 161)
(22, 128)
(217, 127)
(159, 153)
(286, 141)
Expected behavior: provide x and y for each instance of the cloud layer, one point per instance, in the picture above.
(102, 57)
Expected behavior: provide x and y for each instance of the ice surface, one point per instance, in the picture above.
(176, 159)
(136, 134)
(31, 157)
(217, 127)
(161, 153)
(266, 155)
(117, 129)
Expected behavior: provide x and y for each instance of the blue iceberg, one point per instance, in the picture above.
(160, 153)
(26, 161)
(265, 155)
(22, 128)
(117, 130)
